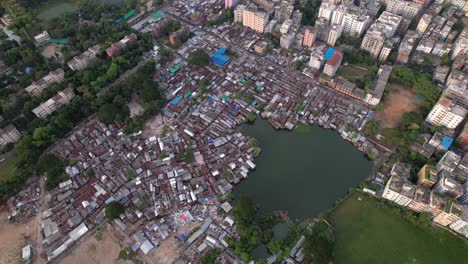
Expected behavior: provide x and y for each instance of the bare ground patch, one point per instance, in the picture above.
(13, 238)
(400, 101)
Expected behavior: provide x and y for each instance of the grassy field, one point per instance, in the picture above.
(6, 168)
(366, 232)
(55, 8)
(351, 72)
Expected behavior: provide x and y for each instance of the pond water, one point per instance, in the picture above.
(302, 173)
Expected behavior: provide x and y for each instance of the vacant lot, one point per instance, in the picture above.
(367, 232)
(102, 248)
(13, 238)
(7, 168)
(352, 72)
(399, 101)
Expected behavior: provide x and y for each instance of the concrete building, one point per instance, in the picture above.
(355, 24)
(239, 13)
(448, 162)
(458, 79)
(440, 73)
(406, 9)
(399, 190)
(36, 88)
(41, 39)
(310, 35)
(316, 60)
(230, 3)
(115, 49)
(287, 40)
(461, 225)
(427, 176)
(423, 23)
(374, 96)
(449, 186)
(446, 113)
(460, 47)
(406, 46)
(83, 60)
(255, 19)
(384, 28)
(48, 107)
(326, 10)
(338, 15)
(9, 134)
(464, 198)
(260, 47)
(462, 138)
(449, 213)
(286, 26)
(333, 34)
(421, 201)
(332, 65)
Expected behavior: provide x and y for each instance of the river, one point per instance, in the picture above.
(302, 172)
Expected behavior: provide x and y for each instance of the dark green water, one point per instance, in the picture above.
(303, 173)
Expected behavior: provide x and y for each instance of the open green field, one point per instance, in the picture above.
(55, 8)
(367, 232)
(6, 168)
(351, 72)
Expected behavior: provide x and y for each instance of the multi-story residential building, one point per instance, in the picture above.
(239, 13)
(338, 15)
(423, 23)
(423, 3)
(460, 47)
(41, 39)
(427, 176)
(461, 225)
(350, 89)
(440, 73)
(426, 45)
(333, 34)
(332, 65)
(462, 138)
(458, 3)
(297, 17)
(384, 28)
(449, 213)
(83, 60)
(284, 29)
(270, 26)
(48, 107)
(458, 79)
(421, 201)
(316, 60)
(406, 46)
(448, 162)
(115, 49)
(449, 186)
(260, 47)
(406, 9)
(230, 3)
(461, 172)
(457, 91)
(355, 24)
(254, 18)
(374, 96)
(446, 113)
(401, 169)
(464, 198)
(9, 134)
(400, 190)
(36, 88)
(326, 10)
(310, 34)
(287, 40)
(441, 48)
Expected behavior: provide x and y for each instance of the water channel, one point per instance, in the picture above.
(302, 173)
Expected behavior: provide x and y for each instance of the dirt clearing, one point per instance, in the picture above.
(400, 101)
(13, 238)
(100, 248)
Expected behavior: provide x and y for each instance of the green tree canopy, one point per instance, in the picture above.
(114, 209)
(199, 58)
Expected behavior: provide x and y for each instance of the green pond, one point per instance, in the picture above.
(302, 173)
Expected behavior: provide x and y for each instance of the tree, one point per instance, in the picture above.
(114, 210)
(251, 117)
(211, 257)
(199, 58)
(43, 136)
(245, 211)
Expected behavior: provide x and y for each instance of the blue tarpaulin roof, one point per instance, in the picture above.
(176, 100)
(329, 53)
(219, 58)
(446, 142)
(229, 116)
(211, 100)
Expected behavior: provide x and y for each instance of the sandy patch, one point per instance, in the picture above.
(53, 51)
(13, 238)
(154, 125)
(170, 249)
(93, 251)
(400, 101)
